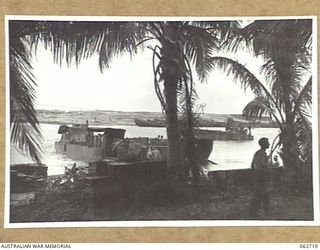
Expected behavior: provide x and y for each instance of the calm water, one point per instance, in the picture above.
(228, 154)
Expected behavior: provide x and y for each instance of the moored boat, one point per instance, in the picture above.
(81, 142)
(232, 133)
(150, 122)
(229, 135)
(218, 122)
(162, 123)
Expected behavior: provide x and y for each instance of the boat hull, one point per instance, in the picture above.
(158, 123)
(215, 135)
(162, 123)
(79, 152)
(222, 135)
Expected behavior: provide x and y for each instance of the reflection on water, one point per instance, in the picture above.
(228, 154)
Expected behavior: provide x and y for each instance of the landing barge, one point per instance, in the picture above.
(81, 142)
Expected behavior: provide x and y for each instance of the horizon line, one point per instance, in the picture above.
(124, 111)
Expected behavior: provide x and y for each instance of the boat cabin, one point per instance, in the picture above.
(84, 143)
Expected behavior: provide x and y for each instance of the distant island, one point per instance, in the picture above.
(108, 117)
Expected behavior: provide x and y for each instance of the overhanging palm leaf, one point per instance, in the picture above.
(199, 47)
(303, 126)
(248, 80)
(282, 38)
(241, 74)
(202, 39)
(305, 97)
(74, 41)
(25, 131)
(303, 131)
(284, 80)
(220, 29)
(258, 108)
(285, 46)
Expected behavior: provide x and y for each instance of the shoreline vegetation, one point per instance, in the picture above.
(73, 198)
(118, 118)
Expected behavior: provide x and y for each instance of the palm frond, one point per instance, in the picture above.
(241, 74)
(199, 46)
(25, 130)
(247, 80)
(202, 39)
(280, 38)
(74, 41)
(27, 140)
(157, 77)
(221, 29)
(303, 130)
(277, 38)
(284, 80)
(257, 108)
(305, 96)
(187, 97)
(122, 38)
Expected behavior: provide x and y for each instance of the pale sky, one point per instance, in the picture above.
(128, 85)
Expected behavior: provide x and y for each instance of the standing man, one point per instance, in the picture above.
(261, 177)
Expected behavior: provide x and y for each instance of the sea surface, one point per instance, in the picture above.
(227, 154)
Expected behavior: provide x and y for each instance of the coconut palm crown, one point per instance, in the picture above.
(285, 95)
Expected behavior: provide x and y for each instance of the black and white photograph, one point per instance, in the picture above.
(161, 121)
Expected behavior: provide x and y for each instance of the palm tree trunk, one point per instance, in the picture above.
(290, 146)
(174, 161)
(291, 158)
(170, 73)
(189, 140)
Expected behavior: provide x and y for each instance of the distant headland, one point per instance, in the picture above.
(125, 118)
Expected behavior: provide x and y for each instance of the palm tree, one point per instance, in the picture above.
(176, 46)
(285, 96)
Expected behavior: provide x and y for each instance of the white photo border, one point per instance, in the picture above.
(166, 223)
